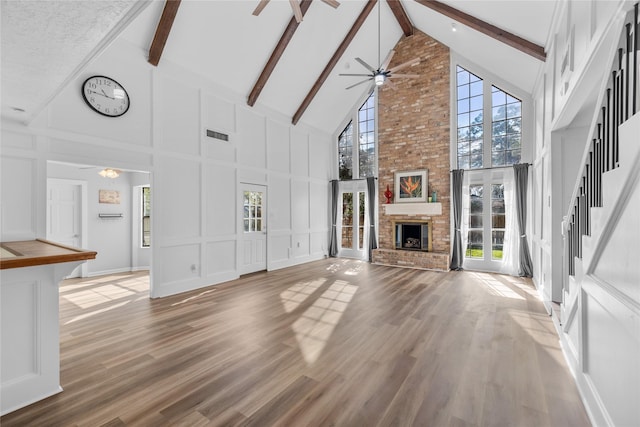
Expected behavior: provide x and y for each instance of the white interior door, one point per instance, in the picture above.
(353, 214)
(253, 211)
(64, 215)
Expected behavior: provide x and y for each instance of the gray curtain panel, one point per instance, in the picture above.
(371, 192)
(333, 236)
(457, 256)
(521, 176)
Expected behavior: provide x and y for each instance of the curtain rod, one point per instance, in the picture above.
(495, 167)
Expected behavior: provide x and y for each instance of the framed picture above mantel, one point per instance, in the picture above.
(411, 186)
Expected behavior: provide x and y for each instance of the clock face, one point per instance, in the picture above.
(105, 95)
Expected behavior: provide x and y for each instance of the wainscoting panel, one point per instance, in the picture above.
(30, 334)
(177, 208)
(301, 245)
(19, 302)
(179, 126)
(252, 150)
(221, 213)
(277, 147)
(279, 249)
(220, 258)
(19, 222)
(611, 343)
(179, 261)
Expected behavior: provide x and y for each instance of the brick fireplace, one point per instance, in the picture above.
(413, 129)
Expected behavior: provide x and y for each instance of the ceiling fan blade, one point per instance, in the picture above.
(359, 83)
(365, 65)
(358, 75)
(296, 10)
(387, 60)
(260, 6)
(409, 76)
(405, 65)
(333, 3)
(390, 84)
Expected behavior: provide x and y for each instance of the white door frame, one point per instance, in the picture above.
(355, 186)
(84, 209)
(242, 186)
(484, 177)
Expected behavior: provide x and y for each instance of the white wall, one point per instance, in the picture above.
(599, 320)
(194, 178)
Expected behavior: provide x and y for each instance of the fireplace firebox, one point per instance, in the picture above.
(412, 235)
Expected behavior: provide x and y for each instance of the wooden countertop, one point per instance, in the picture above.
(28, 253)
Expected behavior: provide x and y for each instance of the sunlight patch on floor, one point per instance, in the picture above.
(315, 326)
(92, 297)
(93, 313)
(516, 281)
(354, 271)
(298, 293)
(191, 298)
(136, 285)
(496, 287)
(337, 265)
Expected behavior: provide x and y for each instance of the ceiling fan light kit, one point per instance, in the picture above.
(383, 74)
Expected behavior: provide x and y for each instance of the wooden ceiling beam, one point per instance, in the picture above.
(163, 30)
(286, 37)
(334, 60)
(401, 16)
(484, 27)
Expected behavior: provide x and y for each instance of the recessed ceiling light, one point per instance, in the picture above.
(453, 27)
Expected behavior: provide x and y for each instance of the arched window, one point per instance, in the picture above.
(477, 146)
(357, 144)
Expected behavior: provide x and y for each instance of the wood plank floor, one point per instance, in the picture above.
(330, 343)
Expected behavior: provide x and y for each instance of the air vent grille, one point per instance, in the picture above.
(217, 135)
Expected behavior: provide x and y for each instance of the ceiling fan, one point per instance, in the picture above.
(295, 5)
(383, 74)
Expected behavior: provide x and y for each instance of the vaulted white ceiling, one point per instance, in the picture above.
(45, 44)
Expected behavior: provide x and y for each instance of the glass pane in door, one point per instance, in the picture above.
(347, 220)
(252, 211)
(498, 220)
(361, 220)
(475, 238)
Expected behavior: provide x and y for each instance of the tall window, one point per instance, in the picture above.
(475, 148)
(367, 139)
(470, 130)
(146, 217)
(357, 144)
(506, 128)
(345, 152)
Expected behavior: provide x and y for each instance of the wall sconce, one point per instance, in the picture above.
(109, 173)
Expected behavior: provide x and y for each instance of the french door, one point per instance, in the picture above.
(485, 221)
(354, 209)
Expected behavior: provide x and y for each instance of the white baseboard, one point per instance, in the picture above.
(116, 271)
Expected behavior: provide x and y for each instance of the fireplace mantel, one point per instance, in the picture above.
(413, 209)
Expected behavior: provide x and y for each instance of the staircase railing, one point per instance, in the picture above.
(620, 103)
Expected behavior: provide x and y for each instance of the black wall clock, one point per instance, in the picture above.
(106, 96)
